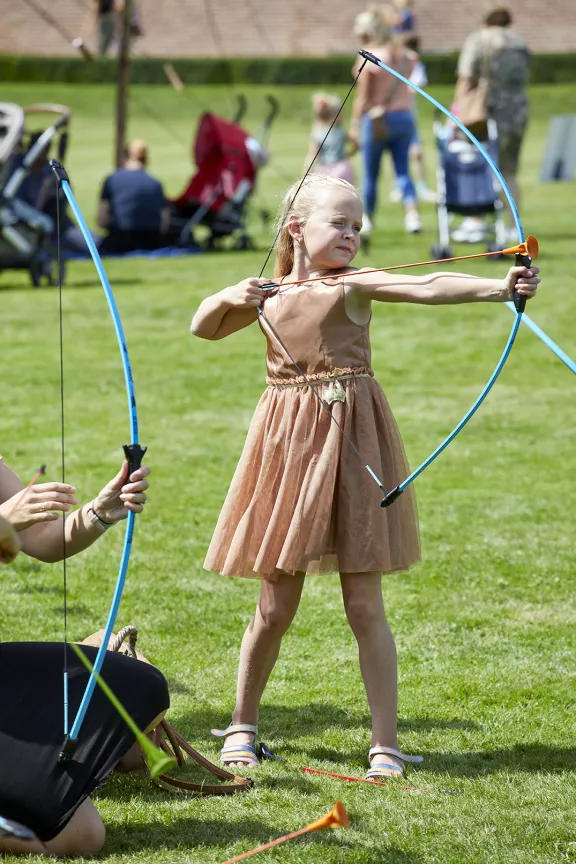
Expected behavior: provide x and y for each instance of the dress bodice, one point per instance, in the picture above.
(312, 322)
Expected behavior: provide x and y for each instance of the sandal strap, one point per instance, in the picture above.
(375, 771)
(239, 748)
(391, 751)
(235, 727)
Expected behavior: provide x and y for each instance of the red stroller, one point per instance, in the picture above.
(227, 159)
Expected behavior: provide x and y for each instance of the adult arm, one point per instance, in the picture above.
(468, 65)
(359, 105)
(104, 210)
(9, 543)
(35, 512)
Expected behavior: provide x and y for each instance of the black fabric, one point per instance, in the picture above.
(105, 7)
(119, 242)
(34, 789)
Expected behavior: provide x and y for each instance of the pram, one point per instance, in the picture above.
(227, 158)
(466, 186)
(26, 233)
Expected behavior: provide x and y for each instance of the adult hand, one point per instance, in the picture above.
(522, 279)
(247, 293)
(123, 493)
(9, 542)
(38, 503)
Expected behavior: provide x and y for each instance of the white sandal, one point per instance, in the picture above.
(388, 770)
(238, 752)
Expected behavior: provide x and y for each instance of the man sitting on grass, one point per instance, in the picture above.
(132, 206)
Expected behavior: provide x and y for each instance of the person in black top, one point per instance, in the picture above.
(132, 206)
(105, 14)
(35, 790)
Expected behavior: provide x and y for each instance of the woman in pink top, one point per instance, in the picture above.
(382, 115)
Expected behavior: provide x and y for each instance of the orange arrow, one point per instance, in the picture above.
(336, 818)
(529, 248)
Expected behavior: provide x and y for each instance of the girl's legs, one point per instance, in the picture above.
(362, 594)
(277, 605)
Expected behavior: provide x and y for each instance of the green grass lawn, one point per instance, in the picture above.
(485, 624)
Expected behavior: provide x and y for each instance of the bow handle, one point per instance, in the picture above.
(520, 299)
(134, 454)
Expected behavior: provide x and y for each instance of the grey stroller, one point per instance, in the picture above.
(467, 188)
(27, 233)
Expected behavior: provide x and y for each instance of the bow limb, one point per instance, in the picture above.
(519, 301)
(133, 453)
(513, 208)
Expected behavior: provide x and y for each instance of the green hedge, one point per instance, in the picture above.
(546, 69)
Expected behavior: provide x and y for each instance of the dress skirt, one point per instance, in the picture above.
(301, 499)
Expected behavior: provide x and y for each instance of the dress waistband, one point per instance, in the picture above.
(321, 377)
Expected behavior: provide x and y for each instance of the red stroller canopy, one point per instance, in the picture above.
(223, 163)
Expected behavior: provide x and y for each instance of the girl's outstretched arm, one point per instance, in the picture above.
(229, 310)
(437, 289)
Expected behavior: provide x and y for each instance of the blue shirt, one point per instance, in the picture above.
(136, 200)
(406, 21)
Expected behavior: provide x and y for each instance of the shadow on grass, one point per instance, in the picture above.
(189, 833)
(522, 758)
(316, 718)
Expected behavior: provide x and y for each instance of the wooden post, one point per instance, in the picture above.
(123, 81)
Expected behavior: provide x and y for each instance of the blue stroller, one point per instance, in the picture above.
(466, 187)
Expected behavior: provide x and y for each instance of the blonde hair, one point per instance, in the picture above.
(301, 201)
(325, 106)
(373, 25)
(138, 150)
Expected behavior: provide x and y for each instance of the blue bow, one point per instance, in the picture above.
(133, 453)
(517, 305)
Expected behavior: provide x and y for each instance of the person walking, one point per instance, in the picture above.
(382, 116)
(497, 58)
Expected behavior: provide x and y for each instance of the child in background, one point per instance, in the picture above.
(333, 159)
(301, 501)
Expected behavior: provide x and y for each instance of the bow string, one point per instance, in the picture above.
(133, 453)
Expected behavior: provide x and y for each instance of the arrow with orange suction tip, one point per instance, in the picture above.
(266, 753)
(528, 248)
(336, 818)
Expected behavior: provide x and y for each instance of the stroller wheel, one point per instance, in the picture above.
(43, 265)
(440, 252)
(36, 270)
(54, 274)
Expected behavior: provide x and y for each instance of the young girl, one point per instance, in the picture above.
(301, 501)
(333, 157)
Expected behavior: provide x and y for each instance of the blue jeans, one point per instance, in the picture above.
(401, 130)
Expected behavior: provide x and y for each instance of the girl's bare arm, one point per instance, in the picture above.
(229, 310)
(443, 288)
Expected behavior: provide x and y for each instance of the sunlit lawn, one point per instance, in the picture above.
(485, 624)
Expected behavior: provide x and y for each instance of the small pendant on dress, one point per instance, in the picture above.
(335, 393)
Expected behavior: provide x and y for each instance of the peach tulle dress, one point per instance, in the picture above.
(301, 499)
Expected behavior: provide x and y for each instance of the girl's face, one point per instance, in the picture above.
(330, 237)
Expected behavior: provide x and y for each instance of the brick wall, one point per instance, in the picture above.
(212, 28)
